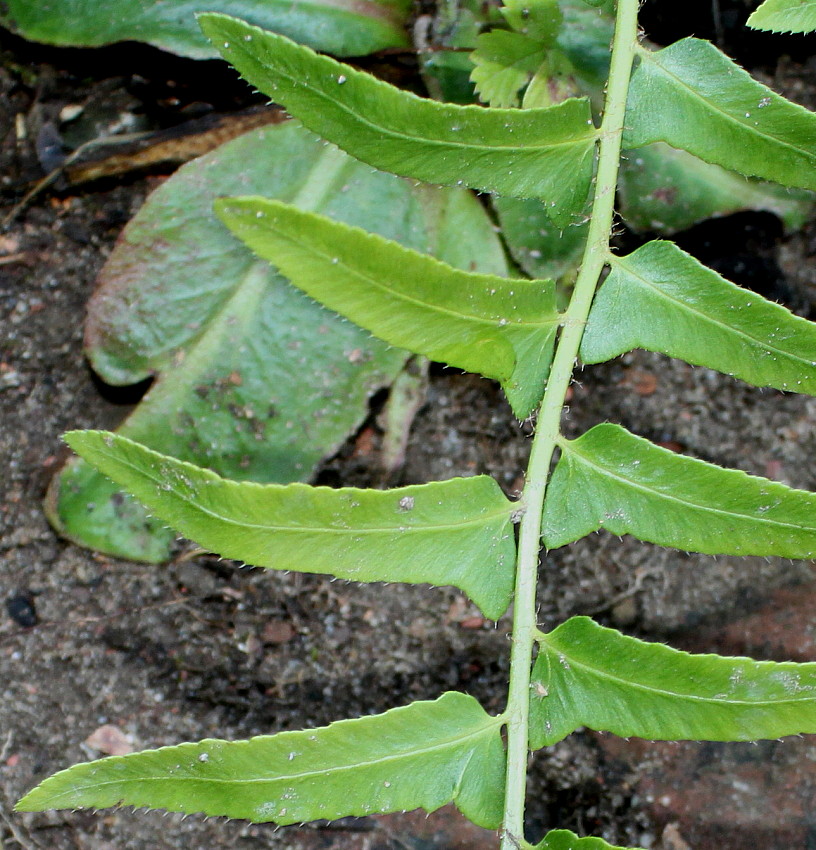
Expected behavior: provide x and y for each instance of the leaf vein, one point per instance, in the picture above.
(605, 471)
(484, 519)
(651, 56)
(578, 141)
(376, 284)
(621, 262)
(604, 674)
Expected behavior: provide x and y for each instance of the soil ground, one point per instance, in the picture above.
(203, 649)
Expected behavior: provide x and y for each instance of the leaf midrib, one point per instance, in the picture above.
(325, 171)
(569, 447)
(621, 262)
(651, 56)
(424, 305)
(484, 519)
(530, 149)
(419, 752)
(605, 674)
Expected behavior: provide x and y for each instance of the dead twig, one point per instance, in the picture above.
(133, 151)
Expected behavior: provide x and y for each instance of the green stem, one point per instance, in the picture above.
(548, 428)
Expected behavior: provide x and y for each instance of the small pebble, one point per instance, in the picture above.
(21, 609)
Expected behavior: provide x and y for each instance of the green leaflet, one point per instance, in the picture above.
(587, 675)
(609, 478)
(563, 839)
(514, 152)
(449, 532)
(665, 190)
(505, 62)
(540, 20)
(662, 299)
(693, 97)
(785, 16)
(423, 755)
(168, 279)
(342, 27)
(503, 329)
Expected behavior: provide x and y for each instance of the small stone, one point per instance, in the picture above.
(625, 612)
(278, 632)
(457, 610)
(21, 609)
(110, 739)
(643, 382)
(672, 839)
(196, 579)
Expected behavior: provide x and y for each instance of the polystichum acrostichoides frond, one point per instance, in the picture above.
(689, 96)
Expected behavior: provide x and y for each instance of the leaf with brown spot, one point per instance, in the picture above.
(254, 380)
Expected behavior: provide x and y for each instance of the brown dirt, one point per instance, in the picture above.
(201, 648)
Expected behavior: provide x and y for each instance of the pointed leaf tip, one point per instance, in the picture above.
(423, 755)
(455, 532)
(588, 675)
(523, 153)
(498, 327)
(609, 478)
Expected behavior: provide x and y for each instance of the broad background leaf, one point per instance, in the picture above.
(540, 247)
(563, 839)
(662, 299)
(421, 756)
(514, 152)
(455, 532)
(588, 675)
(342, 27)
(256, 381)
(664, 189)
(585, 38)
(692, 96)
(785, 16)
(498, 327)
(609, 478)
